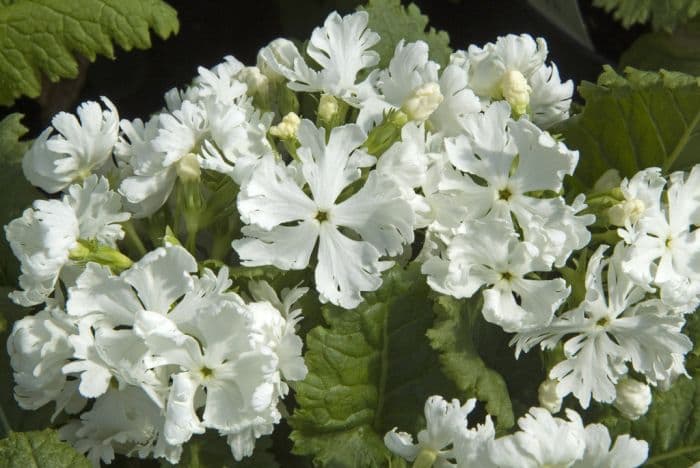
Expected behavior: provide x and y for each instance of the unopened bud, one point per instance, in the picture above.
(633, 398)
(422, 102)
(628, 211)
(257, 82)
(287, 128)
(516, 91)
(327, 107)
(548, 397)
(187, 168)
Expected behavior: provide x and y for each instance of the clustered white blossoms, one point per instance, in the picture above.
(146, 341)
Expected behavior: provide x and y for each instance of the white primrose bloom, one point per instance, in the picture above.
(38, 347)
(341, 48)
(513, 69)
(489, 151)
(447, 440)
(665, 249)
(377, 213)
(613, 326)
(542, 441)
(627, 452)
(122, 421)
(412, 84)
(642, 200)
(43, 237)
(81, 148)
(490, 255)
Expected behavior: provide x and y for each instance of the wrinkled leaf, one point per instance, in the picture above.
(393, 22)
(633, 122)
(41, 37)
(370, 370)
(663, 14)
(40, 449)
(454, 336)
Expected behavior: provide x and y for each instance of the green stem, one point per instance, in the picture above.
(673, 454)
(4, 422)
(133, 238)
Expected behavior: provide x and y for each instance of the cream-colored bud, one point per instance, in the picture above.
(516, 91)
(327, 107)
(287, 128)
(253, 78)
(422, 102)
(633, 398)
(547, 395)
(628, 211)
(187, 168)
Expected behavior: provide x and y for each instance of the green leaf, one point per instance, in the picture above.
(633, 122)
(679, 51)
(393, 22)
(41, 37)
(672, 425)
(454, 335)
(11, 130)
(663, 14)
(212, 451)
(370, 370)
(40, 449)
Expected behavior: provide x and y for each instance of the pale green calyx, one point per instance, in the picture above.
(287, 128)
(188, 169)
(422, 102)
(516, 91)
(90, 251)
(425, 459)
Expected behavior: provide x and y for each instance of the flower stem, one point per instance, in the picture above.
(133, 237)
(673, 453)
(6, 428)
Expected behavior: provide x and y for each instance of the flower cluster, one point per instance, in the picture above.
(317, 171)
(543, 440)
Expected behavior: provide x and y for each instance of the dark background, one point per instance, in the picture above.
(211, 29)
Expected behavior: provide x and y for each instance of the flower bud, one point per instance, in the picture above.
(257, 82)
(516, 91)
(547, 394)
(283, 50)
(628, 211)
(633, 398)
(287, 128)
(422, 102)
(327, 107)
(188, 169)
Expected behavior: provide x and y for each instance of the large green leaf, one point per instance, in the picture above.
(394, 22)
(370, 370)
(41, 37)
(672, 425)
(663, 14)
(40, 449)
(679, 51)
(455, 336)
(629, 123)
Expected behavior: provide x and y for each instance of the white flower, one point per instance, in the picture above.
(665, 249)
(81, 148)
(632, 398)
(44, 236)
(340, 48)
(490, 254)
(446, 440)
(542, 441)
(612, 326)
(642, 200)
(377, 213)
(627, 452)
(38, 347)
(513, 69)
(412, 83)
